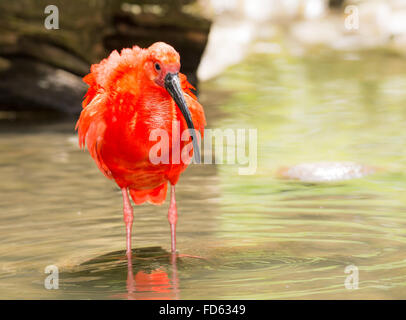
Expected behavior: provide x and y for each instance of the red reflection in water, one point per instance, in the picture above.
(155, 285)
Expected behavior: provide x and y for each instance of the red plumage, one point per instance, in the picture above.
(122, 105)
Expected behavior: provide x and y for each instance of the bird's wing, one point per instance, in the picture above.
(196, 109)
(186, 86)
(103, 74)
(198, 117)
(91, 127)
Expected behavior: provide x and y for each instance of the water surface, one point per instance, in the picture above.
(261, 237)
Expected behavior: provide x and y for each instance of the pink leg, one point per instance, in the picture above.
(128, 218)
(173, 218)
(175, 279)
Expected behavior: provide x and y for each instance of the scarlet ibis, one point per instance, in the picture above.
(130, 94)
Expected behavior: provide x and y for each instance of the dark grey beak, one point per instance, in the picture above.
(172, 85)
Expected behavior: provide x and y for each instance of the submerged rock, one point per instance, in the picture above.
(326, 171)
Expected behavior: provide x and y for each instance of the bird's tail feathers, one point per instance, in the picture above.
(154, 196)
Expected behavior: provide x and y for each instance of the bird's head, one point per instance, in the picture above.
(162, 60)
(162, 67)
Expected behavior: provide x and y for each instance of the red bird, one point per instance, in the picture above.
(131, 94)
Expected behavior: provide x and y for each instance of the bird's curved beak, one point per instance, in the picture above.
(172, 85)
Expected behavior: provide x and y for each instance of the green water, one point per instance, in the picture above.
(262, 237)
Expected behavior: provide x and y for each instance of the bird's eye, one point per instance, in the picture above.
(157, 66)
